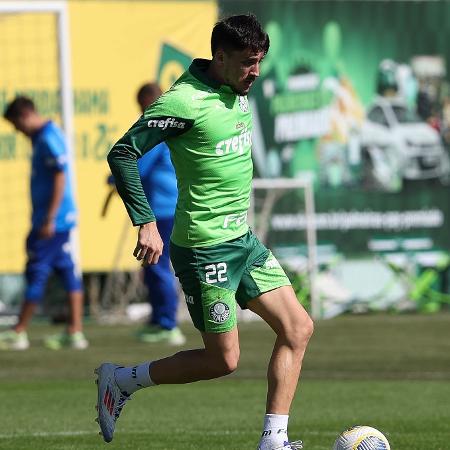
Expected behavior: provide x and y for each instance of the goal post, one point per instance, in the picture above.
(35, 61)
(59, 8)
(275, 188)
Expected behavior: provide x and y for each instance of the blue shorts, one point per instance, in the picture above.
(48, 255)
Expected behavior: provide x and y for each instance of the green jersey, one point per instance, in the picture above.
(207, 127)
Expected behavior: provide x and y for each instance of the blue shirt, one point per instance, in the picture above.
(50, 156)
(159, 181)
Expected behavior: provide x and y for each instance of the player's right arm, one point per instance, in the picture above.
(147, 132)
(165, 119)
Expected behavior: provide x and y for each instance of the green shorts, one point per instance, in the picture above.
(215, 278)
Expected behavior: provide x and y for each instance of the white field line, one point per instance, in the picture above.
(321, 375)
(44, 434)
(22, 434)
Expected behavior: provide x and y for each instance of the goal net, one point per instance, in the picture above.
(282, 216)
(34, 61)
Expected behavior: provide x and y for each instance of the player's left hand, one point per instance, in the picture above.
(47, 230)
(149, 245)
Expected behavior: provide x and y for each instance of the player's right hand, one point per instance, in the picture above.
(149, 244)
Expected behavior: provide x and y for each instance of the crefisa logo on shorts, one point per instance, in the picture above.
(219, 312)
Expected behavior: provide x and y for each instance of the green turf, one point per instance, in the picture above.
(390, 372)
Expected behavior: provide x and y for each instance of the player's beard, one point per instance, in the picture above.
(248, 83)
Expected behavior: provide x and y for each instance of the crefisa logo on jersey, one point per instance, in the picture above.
(219, 312)
(243, 103)
(166, 122)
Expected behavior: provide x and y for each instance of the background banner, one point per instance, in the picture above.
(116, 46)
(355, 95)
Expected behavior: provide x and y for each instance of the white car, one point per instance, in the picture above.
(395, 134)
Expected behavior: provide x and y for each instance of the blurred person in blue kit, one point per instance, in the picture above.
(160, 187)
(50, 243)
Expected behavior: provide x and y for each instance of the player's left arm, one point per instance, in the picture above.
(55, 161)
(47, 229)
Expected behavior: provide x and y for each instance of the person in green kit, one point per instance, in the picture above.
(206, 122)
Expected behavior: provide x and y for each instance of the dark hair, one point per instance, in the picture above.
(148, 90)
(238, 33)
(17, 107)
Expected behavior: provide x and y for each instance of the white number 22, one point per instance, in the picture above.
(216, 273)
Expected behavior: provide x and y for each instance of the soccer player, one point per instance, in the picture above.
(49, 245)
(160, 187)
(206, 122)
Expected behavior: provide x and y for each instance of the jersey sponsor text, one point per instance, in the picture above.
(234, 219)
(238, 143)
(168, 122)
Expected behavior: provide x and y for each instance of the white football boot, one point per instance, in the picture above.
(294, 445)
(110, 400)
(12, 340)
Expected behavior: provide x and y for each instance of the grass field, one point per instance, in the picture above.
(390, 372)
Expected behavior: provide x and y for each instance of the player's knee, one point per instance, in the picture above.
(228, 362)
(300, 333)
(231, 364)
(308, 328)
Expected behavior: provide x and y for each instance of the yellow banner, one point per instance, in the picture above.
(116, 46)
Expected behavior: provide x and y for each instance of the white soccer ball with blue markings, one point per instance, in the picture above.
(361, 438)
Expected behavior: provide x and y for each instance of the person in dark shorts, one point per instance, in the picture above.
(51, 245)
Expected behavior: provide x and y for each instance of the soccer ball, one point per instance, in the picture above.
(361, 438)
